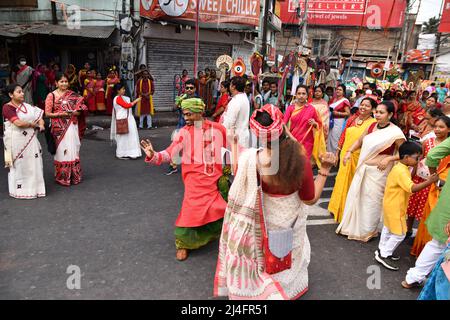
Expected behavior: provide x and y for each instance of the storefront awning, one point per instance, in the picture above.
(12, 31)
(85, 32)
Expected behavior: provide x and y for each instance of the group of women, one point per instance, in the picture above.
(98, 93)
(66, 111)
(365, 146)
(258, 201)
(367, 149)
(23, 152)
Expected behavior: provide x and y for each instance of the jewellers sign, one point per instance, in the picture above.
(445, 20)
(211, 11)
(373, 14)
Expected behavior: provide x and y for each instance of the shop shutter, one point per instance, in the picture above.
(167, 58)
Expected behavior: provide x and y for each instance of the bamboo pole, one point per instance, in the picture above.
(385, 71)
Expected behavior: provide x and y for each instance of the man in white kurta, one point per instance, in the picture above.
(237, 115)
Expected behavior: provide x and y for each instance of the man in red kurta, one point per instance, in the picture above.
(200, 143)
(145, 90)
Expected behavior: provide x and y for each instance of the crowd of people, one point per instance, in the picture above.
(97, 91)
(391, 148)
(382, 141)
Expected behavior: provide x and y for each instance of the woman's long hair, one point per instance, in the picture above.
(291, 158)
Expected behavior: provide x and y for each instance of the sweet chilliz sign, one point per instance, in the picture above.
(211, 11)
(372, 13)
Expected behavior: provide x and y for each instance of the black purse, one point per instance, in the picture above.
(49, 138)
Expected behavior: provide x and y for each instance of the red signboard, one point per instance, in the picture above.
(445, 19)
(211, 11)
(415, 55)
(373, 14)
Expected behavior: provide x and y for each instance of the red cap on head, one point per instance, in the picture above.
(275, 129)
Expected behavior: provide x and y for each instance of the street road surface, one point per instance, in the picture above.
(117, 228)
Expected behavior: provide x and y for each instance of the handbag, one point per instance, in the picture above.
(49, 138)
(277, 244)
(122, 125)
(51, 145)
(422, 170)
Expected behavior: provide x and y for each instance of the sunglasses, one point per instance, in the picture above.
(190, 88)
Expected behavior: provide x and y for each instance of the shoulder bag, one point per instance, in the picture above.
(122, 125)
(277, 244)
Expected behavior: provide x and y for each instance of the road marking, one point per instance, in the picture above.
(317, 211)
(320, 222)
(324, 200)
(117, 214)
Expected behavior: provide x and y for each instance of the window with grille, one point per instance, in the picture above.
(18, 3)
(319, 46)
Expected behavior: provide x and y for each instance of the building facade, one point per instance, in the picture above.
(64, 32)
(169, 41)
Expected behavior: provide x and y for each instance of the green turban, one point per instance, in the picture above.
(179, 99)
(195, 105)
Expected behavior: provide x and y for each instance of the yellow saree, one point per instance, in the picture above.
(346, 172)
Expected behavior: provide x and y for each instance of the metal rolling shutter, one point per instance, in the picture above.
(167, 58)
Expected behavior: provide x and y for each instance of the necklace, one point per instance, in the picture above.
(361, 121)
(379, 127)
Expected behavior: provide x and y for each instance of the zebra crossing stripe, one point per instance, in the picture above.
(320, 222)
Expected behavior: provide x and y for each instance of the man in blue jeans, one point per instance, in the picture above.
(189, 92)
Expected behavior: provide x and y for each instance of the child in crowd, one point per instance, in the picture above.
(399, 187)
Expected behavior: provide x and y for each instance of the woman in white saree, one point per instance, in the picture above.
(128, 146)
(241, 267)
(23, 152)
(379, 150)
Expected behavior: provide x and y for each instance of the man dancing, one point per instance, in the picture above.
(199, 142)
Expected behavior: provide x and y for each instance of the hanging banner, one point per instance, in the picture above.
(415, 55)
(377, 14)
(445, 19)
(244, 12)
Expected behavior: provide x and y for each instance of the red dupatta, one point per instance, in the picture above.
(22, 69)
(70, 101)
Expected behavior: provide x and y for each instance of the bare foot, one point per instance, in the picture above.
(182, 254)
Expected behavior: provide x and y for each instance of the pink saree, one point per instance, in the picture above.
(297, 122)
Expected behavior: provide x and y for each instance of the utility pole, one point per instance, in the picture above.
(196, 44)
(413, 26)
(305, 23)
(402, 46)
(264, 33)
(132, 7)
(438, 43)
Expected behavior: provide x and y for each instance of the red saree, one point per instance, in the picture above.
(67, 133)
(297, 121)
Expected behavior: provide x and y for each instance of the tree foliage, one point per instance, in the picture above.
(431, 26)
